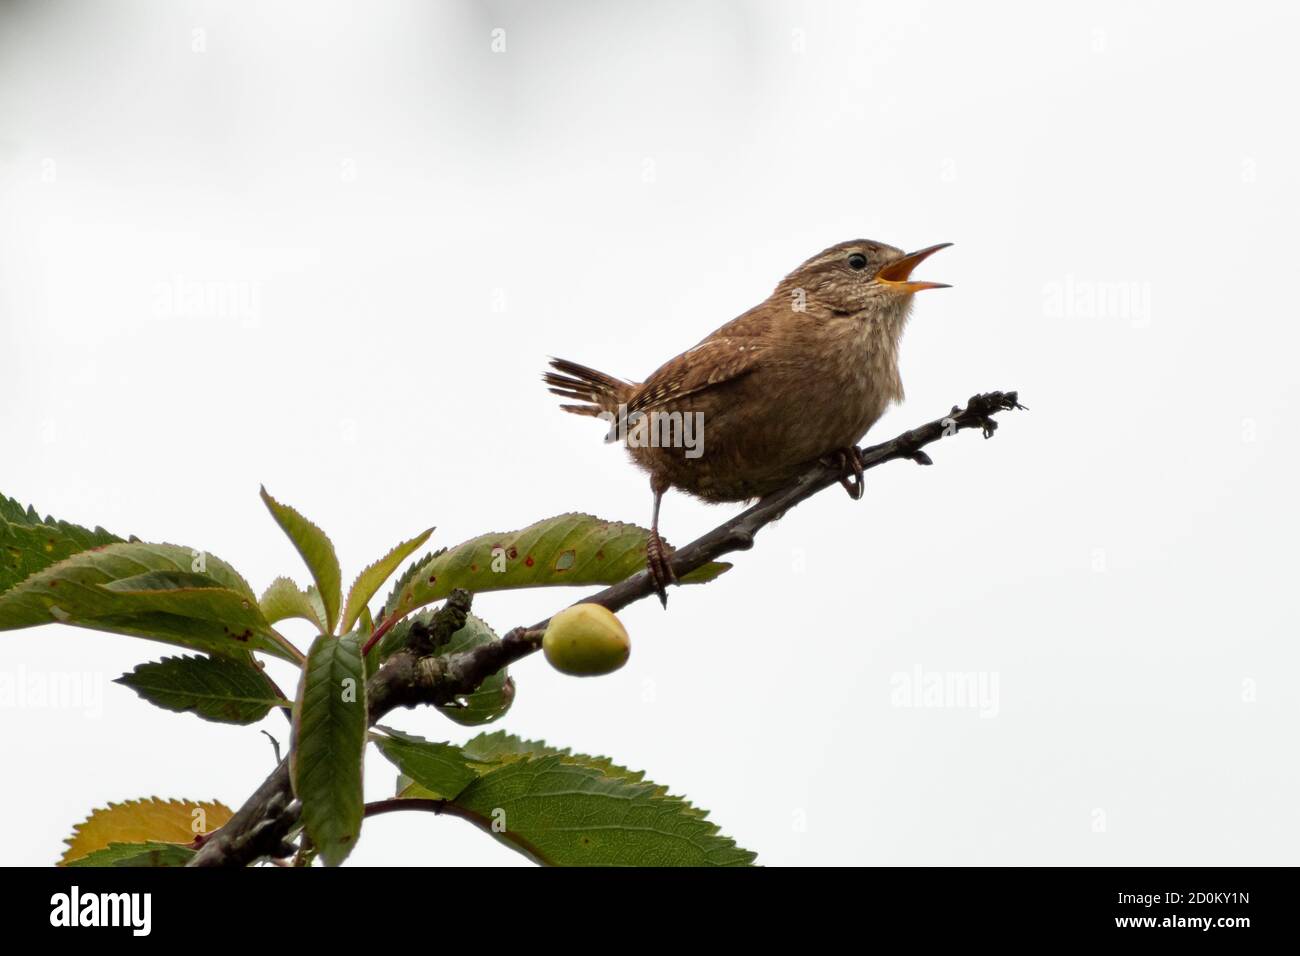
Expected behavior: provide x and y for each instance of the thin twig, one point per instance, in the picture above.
(408, 679)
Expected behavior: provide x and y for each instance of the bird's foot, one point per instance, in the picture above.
(657, 563)
(849, 461)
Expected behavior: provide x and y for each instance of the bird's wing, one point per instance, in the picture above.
(720, 358)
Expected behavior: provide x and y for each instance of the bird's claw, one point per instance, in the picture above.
(849, 461)
(659, 567)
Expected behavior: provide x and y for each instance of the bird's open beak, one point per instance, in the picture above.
(897, 275)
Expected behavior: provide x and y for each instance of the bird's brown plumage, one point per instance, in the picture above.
(802, 375)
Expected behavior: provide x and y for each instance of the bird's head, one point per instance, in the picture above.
(859, 276)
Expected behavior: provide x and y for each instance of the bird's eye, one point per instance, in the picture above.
(857, 262)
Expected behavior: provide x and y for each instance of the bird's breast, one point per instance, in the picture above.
(818, 389)
(822, 393)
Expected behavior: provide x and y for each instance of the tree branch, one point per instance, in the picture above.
(411, 676)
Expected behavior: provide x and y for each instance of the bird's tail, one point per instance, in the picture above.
(597, 391)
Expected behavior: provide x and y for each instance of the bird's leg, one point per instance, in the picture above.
(849, 461)
(656, 552)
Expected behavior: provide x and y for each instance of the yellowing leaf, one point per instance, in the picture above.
(144, 821)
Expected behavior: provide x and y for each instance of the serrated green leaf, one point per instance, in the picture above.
(162, 581)
(501, 747)
(439, 769)
(317, 603)
(372, 578)
(560, 808)
(329, 738)
(562, 813)
(146, 590)
(497, 746)
(317, 552)
(186, 594)
(494, 695)
(222, 689)
(572, 549)
(137, 854)
(30, 543)
(283, 599)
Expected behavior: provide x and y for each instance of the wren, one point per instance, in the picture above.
(798, 378)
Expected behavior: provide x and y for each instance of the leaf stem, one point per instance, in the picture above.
(447, 808)
(384, 627)
(299, 657)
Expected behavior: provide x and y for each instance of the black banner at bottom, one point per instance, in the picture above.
(1173, 905)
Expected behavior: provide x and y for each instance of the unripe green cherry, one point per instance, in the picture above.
(586, 640)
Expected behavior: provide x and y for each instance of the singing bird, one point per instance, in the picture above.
(798, 378)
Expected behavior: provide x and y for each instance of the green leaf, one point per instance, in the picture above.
(439, 769)
(569, 549)
(564, 813)
(30, 543)
(137, 854)
(557, 807)
(316, 551)
(186, 594)
(480, 754)
(494, 695)
(329, 738)
(221, 689)
(372, 578)
(283, 599)
(501, 747)
(159, 591)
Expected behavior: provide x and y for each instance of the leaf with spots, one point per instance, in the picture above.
(30, 543)
(317, 552)
(328, 742)
(159, 591)
(372, 578)
(144, 821)
(494, 695)
(222, 689)
(574, 549)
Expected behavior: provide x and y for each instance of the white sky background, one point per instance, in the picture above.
(410, 224)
